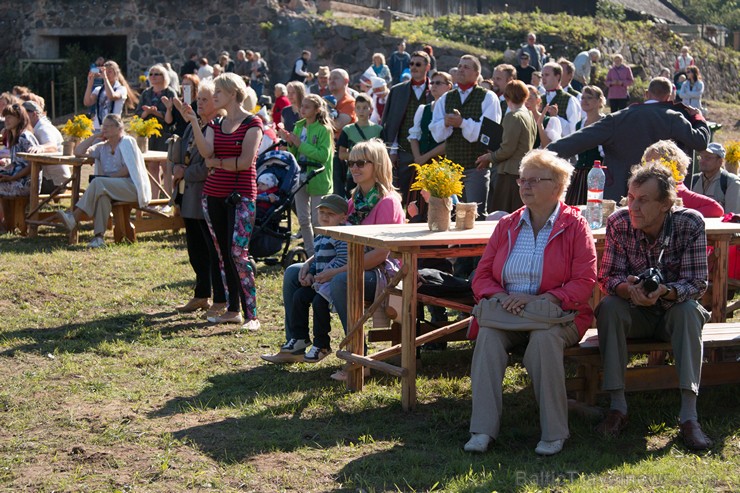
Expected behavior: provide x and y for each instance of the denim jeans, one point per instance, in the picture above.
(339, 293)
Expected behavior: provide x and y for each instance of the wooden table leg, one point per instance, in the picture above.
(718, 276)
(74, 236)
(408, 333)
(33, 199)
(355, 305)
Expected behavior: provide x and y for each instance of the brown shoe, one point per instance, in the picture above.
(613, 424)
(193, 305)
(216, 310)
(693, 437)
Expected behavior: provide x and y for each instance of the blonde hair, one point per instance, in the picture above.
(669, 151)
(597, 93)
(233, 84)
(374, 150)
(379, 55)
(132, 97)
(549, 161)
(163, 70)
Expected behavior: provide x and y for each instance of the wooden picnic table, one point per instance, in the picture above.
(413, 241)
(34, 218)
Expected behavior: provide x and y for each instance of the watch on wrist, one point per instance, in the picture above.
(667, 293)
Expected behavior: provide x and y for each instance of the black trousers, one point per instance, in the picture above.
(204, 260)
(222, 218)
(304, 298)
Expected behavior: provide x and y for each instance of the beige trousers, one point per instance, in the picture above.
(681, 324)
(96, 201)
(543, 359)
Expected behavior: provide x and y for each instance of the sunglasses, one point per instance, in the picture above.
(152, 74)
(358, 164)
(417, 64)
(531, 181)
(440, 83)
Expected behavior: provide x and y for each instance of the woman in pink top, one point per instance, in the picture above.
(373, 201)
(618, 80)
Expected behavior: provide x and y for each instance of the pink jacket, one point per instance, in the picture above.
(569, 270)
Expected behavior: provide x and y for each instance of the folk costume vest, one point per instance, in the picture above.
(458, 149)
(408, 118)
(562, 99)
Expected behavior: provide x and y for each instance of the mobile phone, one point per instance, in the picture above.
(187, 94)
(95, 70)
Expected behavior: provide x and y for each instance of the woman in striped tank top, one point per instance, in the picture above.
(229, 147)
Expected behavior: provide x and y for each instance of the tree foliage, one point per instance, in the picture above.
(721, 12)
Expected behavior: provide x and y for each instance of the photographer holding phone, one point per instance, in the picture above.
(654, 270)
(110, 96)
(229, 148)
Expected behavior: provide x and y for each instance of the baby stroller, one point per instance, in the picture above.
(271, 236)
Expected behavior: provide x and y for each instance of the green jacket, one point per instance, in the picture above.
(317, 149)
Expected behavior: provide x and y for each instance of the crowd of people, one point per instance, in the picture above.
(365, 139)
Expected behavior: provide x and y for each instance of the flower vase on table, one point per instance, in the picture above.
(439, 213)
(68, 147)
(76, 129)
(144, 129)
(142, 143)
(441, 179)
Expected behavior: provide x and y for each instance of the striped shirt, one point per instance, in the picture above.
(220, 183)
(328, 254)
(628, 252)
(523, 268)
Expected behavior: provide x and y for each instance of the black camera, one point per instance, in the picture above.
(651, 279)
(234, 199)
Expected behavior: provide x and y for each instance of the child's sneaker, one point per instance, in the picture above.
(316, 354)
(290, 352)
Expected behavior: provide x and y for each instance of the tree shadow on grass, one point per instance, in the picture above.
(90, 335)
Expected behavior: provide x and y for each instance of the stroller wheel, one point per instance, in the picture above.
(294, 256)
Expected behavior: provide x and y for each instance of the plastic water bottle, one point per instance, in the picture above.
(596, 180)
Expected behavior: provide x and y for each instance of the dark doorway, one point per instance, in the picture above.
(109, 47)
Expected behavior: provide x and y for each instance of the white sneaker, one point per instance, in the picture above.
(251, 325)
(97, 242)
(296, 347)
(165, 209)
(549, 448)
(68, 219)
(227, 318)
(478, 443)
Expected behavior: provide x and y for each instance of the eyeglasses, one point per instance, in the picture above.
(358, 164)
(530, 181)
(440, 83)
(153, 74)
(417, 64)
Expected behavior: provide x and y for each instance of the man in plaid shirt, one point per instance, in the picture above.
(668, 310)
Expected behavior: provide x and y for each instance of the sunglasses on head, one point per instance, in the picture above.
(359, 164)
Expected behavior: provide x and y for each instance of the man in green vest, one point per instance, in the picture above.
(569, 111)
(565, 81)
(457, 120)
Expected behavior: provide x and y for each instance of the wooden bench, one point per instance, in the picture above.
(722, 365)
(145, 219)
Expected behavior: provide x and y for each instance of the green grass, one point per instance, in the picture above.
(106, 388)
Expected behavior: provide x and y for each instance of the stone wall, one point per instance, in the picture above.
(167, 30)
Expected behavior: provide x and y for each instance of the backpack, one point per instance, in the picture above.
(723, 180)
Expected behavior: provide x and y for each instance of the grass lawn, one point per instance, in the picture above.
(106, 388)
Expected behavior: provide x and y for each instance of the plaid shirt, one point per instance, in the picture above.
(628, 252)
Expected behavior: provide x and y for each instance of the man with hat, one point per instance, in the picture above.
(321, 86)
(715, 181)
(50, 140)
(379, 93)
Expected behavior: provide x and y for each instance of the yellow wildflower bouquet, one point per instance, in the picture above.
(673, 166)
(80, 127)
(732, 153)
(145, 128)
(441, 178)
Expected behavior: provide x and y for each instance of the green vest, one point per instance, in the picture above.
(427, 142)
(408, 119)
(572, 92)
(458, 149)
(562, 99)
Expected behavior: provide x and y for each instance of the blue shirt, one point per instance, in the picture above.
(523, 269)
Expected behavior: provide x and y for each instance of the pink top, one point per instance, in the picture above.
(388, 210)
(706, 206)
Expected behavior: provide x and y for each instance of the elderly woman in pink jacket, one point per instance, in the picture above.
(543, 250)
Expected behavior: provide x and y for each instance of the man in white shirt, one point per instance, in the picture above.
(569, 111)
(458, 125)
(715, 181)
(50, 140)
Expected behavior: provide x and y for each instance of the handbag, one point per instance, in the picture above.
(175, 153)
(536, 315)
